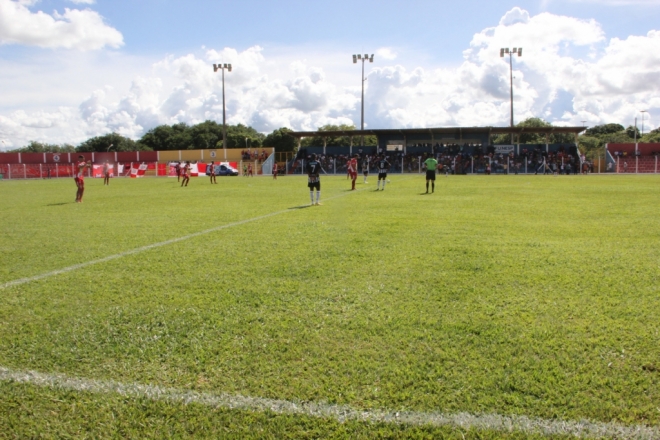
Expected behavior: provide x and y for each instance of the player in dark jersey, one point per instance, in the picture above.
(313, 180)
(365, 169)
(383, 167)
(106, 173)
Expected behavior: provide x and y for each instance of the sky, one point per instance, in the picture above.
(74, 69)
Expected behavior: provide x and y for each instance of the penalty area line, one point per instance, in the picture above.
(341, 413)
(26, 280)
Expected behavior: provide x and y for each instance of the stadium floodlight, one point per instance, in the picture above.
(642, 112)
(518, 51)
(223, 67)
(362, 58)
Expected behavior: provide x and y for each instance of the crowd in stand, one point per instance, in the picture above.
(254, 155)
(457, 159)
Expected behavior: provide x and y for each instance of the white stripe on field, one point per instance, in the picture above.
(342, 413)
(144, 248)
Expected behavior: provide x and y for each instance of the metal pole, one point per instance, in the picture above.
(362, 114)
(224, 122)
(511, 82)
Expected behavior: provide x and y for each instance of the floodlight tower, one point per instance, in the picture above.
(222, 67)
(516, 50)
(362, 58)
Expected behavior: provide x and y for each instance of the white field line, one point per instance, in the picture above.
(341, 413)
(147, 247)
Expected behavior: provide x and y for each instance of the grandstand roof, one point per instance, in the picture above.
(440, 131)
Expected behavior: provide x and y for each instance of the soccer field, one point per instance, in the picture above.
(497, 307)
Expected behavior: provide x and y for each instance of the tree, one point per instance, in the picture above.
(239, 135)
(535, 138)
(39, 147)
(600, 130)
(633, 132)
(281, 140)
(590, 146)
(102, 144)
(338, 141)
(651, 137)
(158, 138)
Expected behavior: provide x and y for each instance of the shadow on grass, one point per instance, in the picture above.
(301, 207)
(60, 204)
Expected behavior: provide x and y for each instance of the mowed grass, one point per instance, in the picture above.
(516, 295)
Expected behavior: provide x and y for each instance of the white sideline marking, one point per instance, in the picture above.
(146, 248)
(341, 413)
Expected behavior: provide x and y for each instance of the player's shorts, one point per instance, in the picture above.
(430, 175)
(314, 183)
(353, 174)
(80, 182)
(365, 172)
(382, 176)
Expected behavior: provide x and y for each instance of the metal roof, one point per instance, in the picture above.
(439, 131)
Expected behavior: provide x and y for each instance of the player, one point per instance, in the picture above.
(313, 179)
(106, 173)
(275, 170)
(244, 170)
(431, 166)
(383, 167)
(365, 169)
(212, 172)
(177, 168)
(185, 172)
(80, 177)
(352, 170)
(250, 170)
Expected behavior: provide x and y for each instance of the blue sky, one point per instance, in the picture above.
(76, 69)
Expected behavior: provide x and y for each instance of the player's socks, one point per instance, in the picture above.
(318, 197)
(311, 197)
(432, 187)
(427, 187)
(384, 184)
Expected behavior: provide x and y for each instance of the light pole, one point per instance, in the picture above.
(362, 58)
(222, 67)
(506, 50)
(642, 112)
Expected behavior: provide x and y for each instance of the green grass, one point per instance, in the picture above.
(516, 295)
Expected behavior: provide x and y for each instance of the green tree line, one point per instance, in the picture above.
(208, 135)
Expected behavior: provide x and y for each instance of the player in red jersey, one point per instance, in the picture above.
(250, 170)
(106, 173)
(352, 170)
(177, 168)
(212, 172)
(185, 172)
(275, 170)
(80, 177)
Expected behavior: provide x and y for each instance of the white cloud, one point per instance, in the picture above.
(74, 29)
(569, 72)
(83, 2)
(386, 53)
